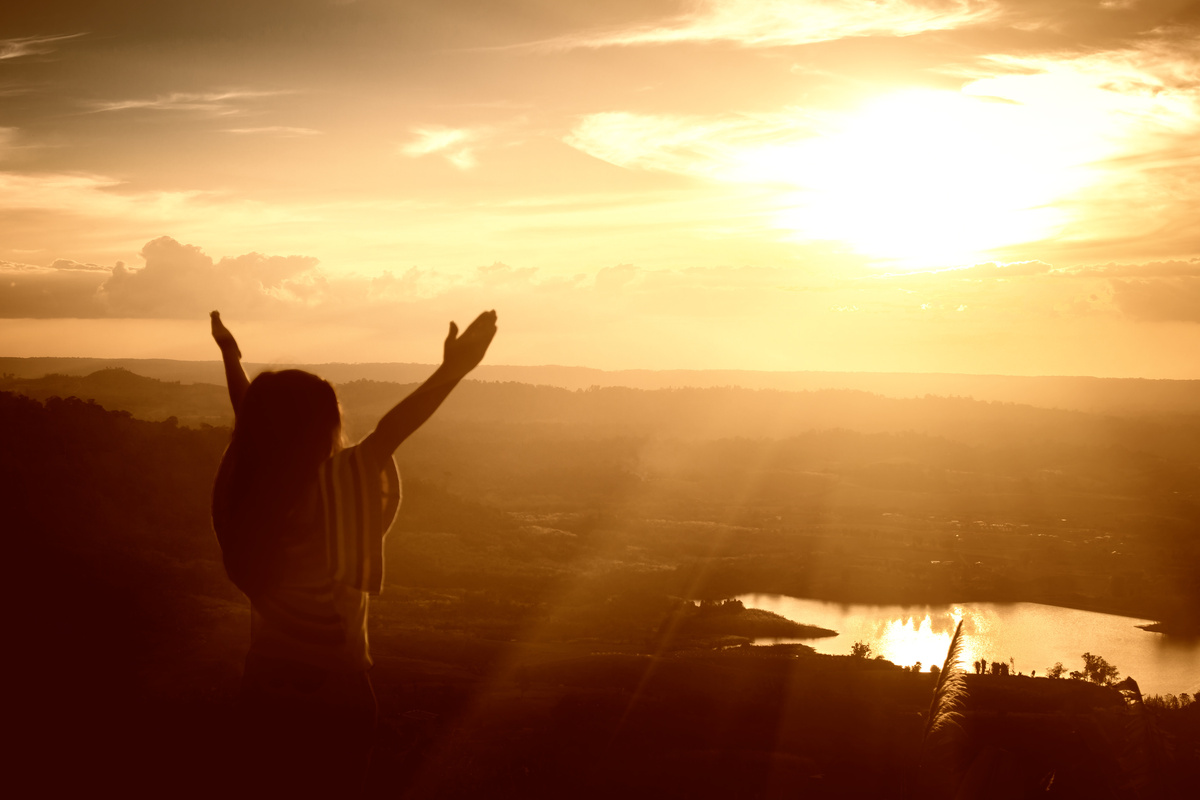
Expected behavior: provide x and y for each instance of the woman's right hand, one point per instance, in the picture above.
(221, 334)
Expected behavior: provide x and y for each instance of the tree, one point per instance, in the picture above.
(1096, 670)
(860, 650)
(1056, 671)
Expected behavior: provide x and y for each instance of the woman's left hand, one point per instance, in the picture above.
(462, 353)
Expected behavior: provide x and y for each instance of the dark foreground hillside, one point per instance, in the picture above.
(516, 656)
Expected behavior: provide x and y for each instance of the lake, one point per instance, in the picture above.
(1035, 636)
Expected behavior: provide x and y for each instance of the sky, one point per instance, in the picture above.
(978, 186)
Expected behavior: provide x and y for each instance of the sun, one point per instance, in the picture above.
(925, 178)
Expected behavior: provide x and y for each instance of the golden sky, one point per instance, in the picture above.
(889, 185)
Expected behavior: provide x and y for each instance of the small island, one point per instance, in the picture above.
(1174, 627)
(713, 618)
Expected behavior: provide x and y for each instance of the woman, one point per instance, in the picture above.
(301, 519)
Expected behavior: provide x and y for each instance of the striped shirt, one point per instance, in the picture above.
(358, 503)
(318, 612)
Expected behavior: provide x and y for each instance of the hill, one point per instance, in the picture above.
(900, 500)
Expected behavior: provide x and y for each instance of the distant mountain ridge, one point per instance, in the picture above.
(688, 414)
(1094, 395)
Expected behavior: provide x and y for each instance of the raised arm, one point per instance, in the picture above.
(461, 354)
(235, 376)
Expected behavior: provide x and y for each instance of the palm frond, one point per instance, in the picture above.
(945, 708)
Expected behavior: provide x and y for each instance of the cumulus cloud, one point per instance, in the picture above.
(176, 281)
(180, 280)
(775, 23)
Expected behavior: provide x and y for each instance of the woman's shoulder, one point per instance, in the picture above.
(362, 455)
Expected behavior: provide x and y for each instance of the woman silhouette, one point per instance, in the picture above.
(300, 519)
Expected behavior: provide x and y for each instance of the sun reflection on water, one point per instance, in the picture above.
(910, 638)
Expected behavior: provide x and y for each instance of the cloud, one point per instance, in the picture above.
(67, 264)
(617, 303)
(176, 281)
(32, 45)
(1154, 82)
(12, 266)
(776, 23)
(276, 130)
(708, 147)
(620, 315)
(612, 279)
(179, 280)
(1002, 271)
(213, 103)
(63, 290)
(456, 145)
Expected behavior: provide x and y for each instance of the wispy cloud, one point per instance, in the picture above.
(456, 145)
(711, 147)
(32, 45)
(774, 23)
(1153, 84)
(213, 103)
(88, 195)
(275, 130)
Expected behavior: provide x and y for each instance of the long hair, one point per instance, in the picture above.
(289, 422)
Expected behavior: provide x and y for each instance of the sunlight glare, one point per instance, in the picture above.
(928, 178)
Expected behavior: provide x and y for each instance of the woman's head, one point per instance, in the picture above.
(290, 414)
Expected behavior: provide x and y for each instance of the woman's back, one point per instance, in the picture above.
(327, 557)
